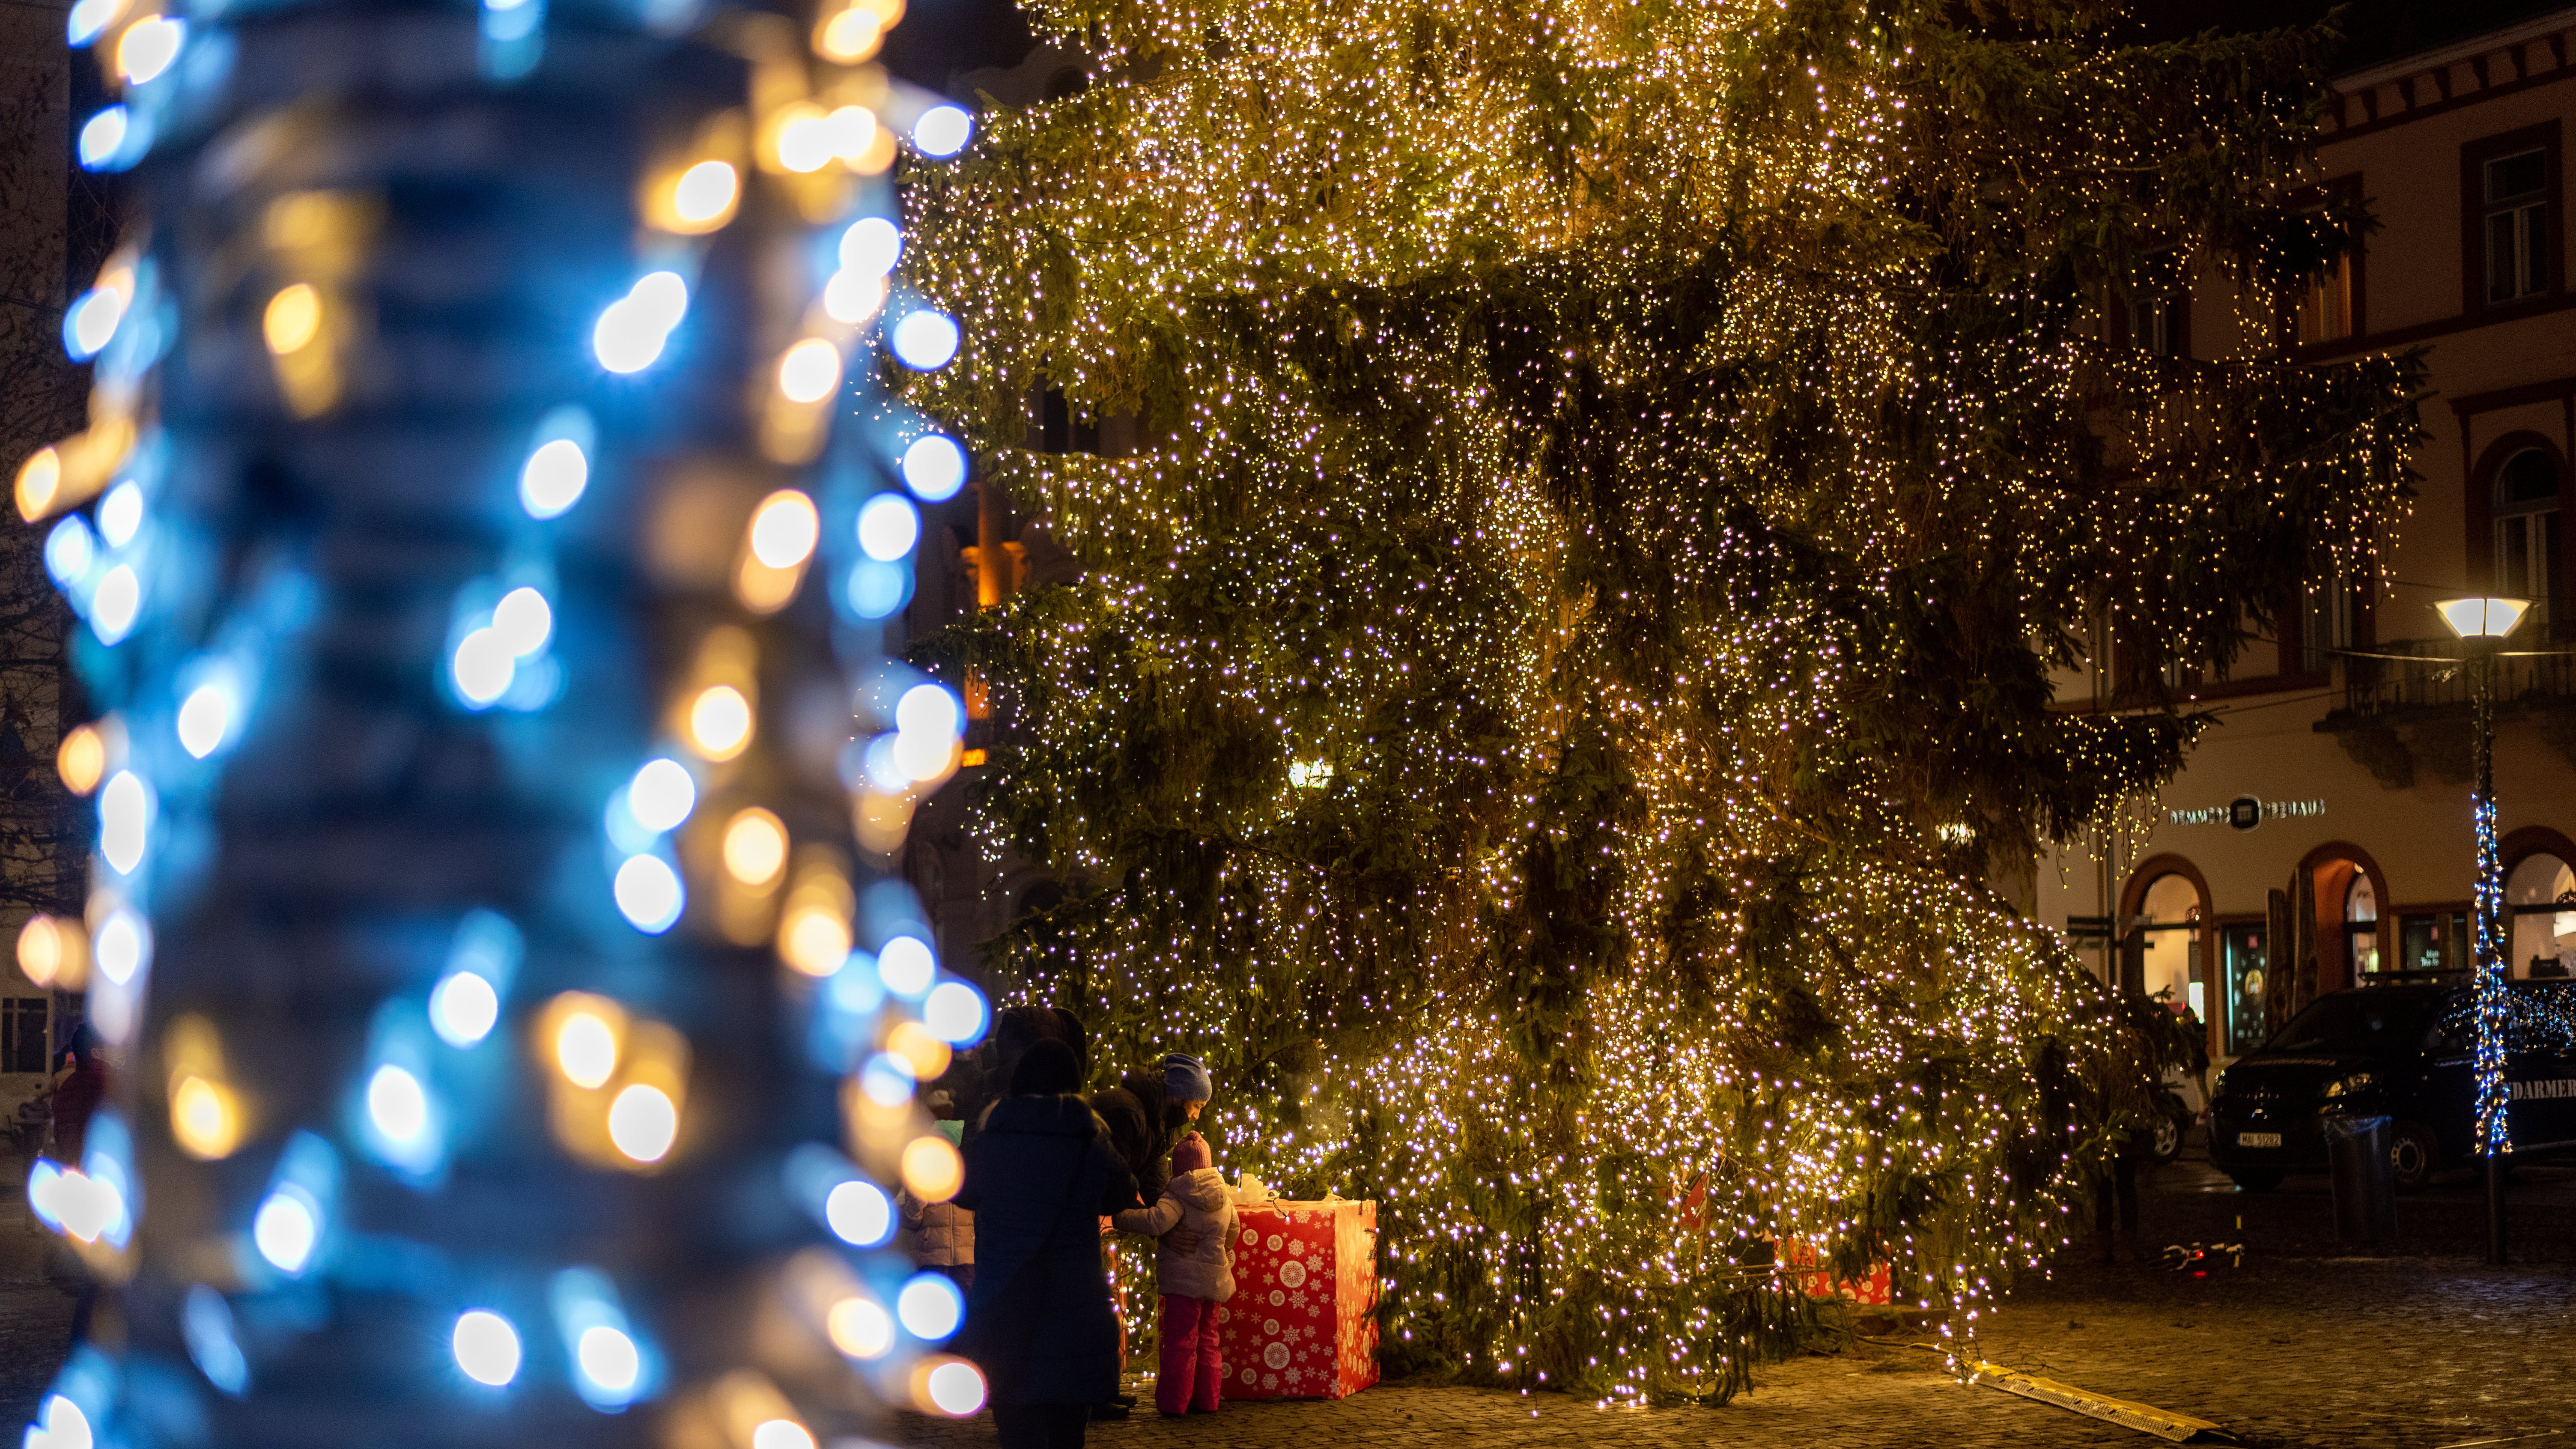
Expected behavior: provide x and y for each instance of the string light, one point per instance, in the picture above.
(1611, 492)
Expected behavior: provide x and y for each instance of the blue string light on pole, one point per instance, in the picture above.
(2482, 625)
(488, 586)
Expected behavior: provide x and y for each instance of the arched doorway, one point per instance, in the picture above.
(2540, 904)
(2167, 908)
(2349, 895)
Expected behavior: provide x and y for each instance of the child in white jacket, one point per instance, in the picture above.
(1193, 1282)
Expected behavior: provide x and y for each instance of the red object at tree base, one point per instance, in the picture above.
(1303, 1320)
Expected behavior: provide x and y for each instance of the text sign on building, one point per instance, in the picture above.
(2246, 811)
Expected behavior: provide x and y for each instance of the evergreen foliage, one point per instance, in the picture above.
(1548, 701)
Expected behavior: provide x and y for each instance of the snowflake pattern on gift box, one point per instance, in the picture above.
(1300, 1331)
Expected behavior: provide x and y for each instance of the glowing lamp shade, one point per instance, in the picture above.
(859, 1214)
(486, 1347)
(643, 1123)
(2482, 618)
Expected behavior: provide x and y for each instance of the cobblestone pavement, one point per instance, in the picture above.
(2414, 1344)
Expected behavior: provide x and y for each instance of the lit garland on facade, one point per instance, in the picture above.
(1549, 694)
(516, 1037)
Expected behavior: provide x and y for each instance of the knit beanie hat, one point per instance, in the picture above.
(1189, 1154)
(1186, 1079)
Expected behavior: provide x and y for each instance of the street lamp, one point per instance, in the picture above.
(2482, 624)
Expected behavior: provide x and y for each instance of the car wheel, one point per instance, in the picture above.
(2256, 1181)
(2414, 1154)
(2168, 1139)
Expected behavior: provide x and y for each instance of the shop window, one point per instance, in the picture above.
(2361, 925)
(2540, 917)
(2527, 530)
(2517, 226)
(22, 1034)
(2433, 941)
(2244, 1028)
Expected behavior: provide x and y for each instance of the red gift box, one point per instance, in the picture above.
(1876, 1289)
(1303, 1320)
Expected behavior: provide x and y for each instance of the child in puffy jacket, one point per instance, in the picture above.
(1194, 1282)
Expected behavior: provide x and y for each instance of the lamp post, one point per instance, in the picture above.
(2482, 624)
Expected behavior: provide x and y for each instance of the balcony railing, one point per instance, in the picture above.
(2413, 674)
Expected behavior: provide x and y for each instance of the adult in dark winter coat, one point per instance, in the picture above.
(1039, 1177)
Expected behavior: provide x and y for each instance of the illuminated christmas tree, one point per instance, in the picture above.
(1554, 693)
(515, 1038)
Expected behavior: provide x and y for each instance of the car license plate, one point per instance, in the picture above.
(2258, 1139)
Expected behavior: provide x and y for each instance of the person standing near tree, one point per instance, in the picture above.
(1039, 1177)
(78, 1089)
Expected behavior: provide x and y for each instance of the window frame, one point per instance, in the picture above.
(2474, 156)
(2484, 560)
(2344, 190)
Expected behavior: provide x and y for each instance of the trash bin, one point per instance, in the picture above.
(2365, 1185)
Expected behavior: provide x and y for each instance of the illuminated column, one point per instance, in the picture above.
(485, 570)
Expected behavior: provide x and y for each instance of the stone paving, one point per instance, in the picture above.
(2413, 1344)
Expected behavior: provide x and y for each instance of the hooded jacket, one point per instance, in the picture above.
(1200, 1201)
(1039, 1175)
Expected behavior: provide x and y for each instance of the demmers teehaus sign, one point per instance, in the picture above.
(2246, 811)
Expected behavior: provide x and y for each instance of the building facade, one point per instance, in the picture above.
(2321, 827)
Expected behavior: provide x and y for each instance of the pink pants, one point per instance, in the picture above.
(1193, 1375)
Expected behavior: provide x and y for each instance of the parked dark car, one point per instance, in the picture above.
(2405, 1051)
